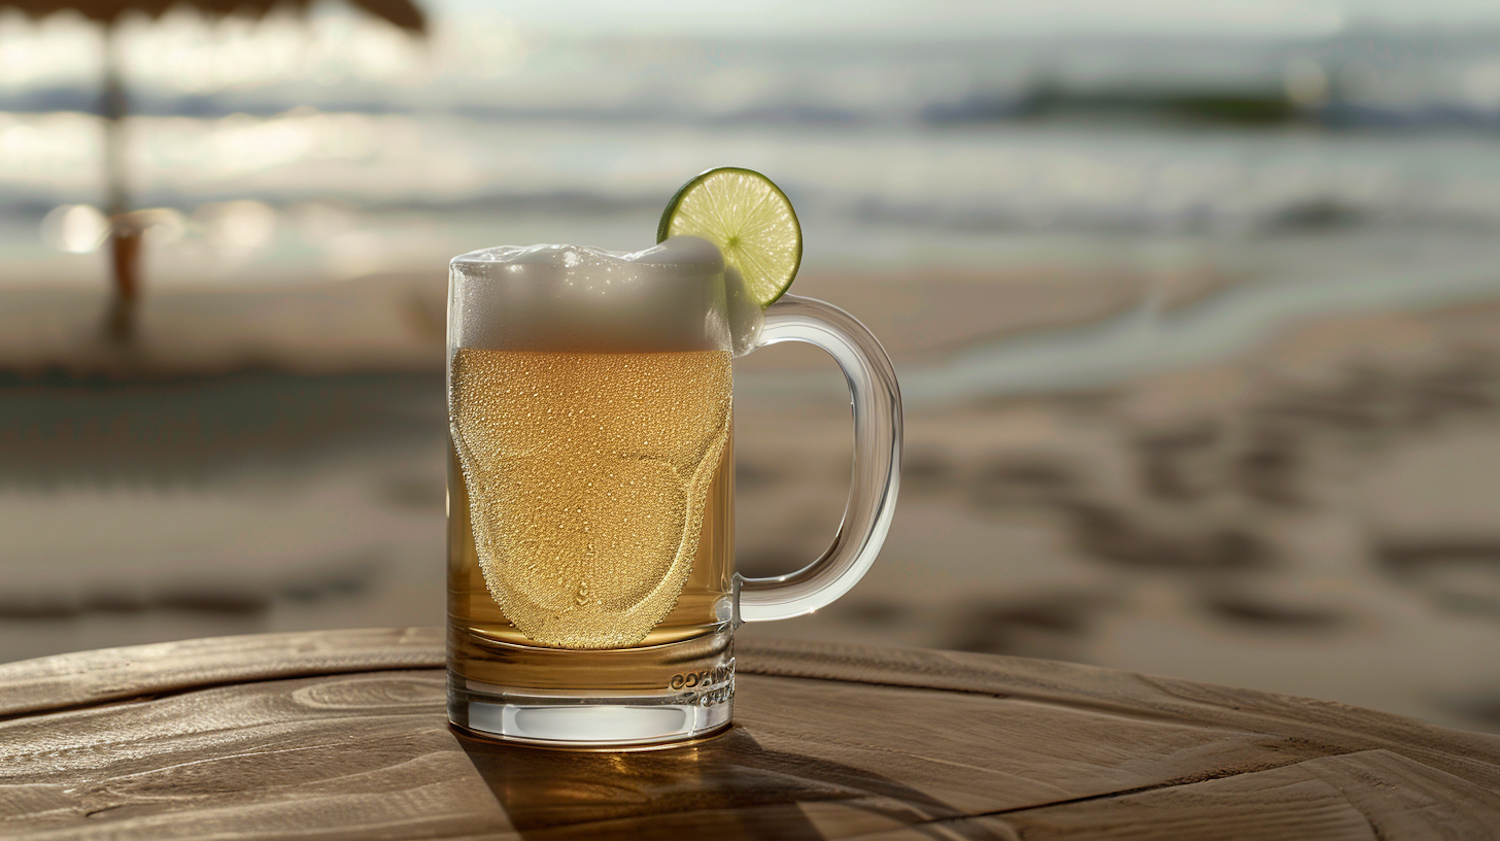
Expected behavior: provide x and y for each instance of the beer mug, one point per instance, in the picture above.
(592, 596)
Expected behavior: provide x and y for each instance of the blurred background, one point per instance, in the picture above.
(1195, 305)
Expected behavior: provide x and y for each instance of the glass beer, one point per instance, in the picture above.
(591, 585)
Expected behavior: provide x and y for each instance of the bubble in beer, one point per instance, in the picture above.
(587, 477)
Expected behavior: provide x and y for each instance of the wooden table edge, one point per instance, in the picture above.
(89, 678)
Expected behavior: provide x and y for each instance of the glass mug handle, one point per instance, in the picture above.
(877, 461)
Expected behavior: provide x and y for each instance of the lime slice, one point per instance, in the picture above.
(748, 218)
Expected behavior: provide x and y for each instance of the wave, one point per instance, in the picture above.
(1231, 106)
(1002, 215)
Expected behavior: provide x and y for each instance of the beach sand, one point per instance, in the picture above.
(1316, 515)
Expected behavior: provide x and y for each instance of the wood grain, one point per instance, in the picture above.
(341, 734)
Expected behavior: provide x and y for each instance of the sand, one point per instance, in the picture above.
(1315, 515)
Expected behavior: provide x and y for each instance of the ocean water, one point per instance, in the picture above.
(917, 149)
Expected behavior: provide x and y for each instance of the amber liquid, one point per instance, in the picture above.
(590, 522)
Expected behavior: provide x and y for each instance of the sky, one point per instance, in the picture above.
(988, 18)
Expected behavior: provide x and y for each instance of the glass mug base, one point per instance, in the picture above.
(676, 692)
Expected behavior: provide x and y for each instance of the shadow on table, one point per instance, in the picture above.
(724, 788)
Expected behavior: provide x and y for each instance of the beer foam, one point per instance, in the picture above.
(674, 296)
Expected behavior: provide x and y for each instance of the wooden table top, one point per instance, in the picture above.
(342, 734)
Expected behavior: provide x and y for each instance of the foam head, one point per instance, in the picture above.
(671, 296)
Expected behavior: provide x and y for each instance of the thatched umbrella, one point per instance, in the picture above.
(125, 232)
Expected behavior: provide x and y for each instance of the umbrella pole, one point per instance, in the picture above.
(125, 234)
